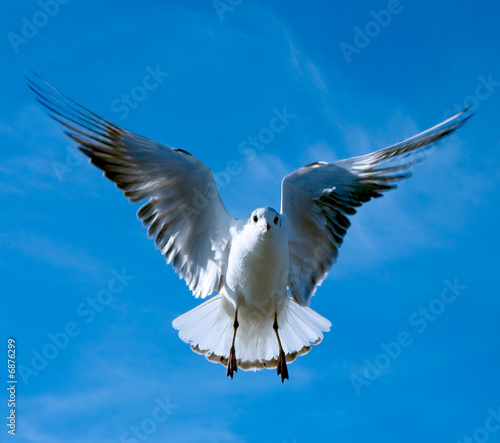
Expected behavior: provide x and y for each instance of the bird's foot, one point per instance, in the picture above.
(232, 364)
(282, 368)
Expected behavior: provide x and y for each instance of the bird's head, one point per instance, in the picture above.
(265, 219)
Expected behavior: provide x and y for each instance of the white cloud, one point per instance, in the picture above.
(258, 184)
(56, 254)
(319, 151)
(36, 145)
(61, 404)
(304, 66)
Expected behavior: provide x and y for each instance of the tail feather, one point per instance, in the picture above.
(217, 337)
(291, 340)
(311, 323)
(304, 333)
(209, 330)
(193, 318)
(203, 325)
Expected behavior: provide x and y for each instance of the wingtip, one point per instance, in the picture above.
(29, 81)
(468, 113)
(462, 116)
(451, 124)
(36, 74)
(33, 81)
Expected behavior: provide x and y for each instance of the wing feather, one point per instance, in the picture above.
(318, 199)
(183, 212)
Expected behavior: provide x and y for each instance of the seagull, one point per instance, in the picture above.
(263, 269)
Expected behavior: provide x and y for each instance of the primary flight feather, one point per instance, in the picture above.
(264, 268)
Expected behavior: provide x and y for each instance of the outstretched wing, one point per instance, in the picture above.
(184, 212)
(318, 198)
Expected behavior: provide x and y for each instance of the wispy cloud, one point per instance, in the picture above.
(51, 404)
(260, 184)
(35, 144)
(57, 254)
(304, 66)
(40, 410)
(319, 151)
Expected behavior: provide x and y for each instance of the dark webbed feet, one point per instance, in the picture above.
(282, 368)
(232, 364)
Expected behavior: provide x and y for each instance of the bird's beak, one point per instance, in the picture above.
(266, 226)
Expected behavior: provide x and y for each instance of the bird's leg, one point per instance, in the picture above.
(282, 368)
(232, 365)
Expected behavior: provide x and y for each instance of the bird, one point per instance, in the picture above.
(261, 271)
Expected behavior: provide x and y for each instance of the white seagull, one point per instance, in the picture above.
(264, 268)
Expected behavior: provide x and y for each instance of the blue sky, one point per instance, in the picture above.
(67, 234)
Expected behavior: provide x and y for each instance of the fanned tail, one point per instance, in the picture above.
(208, 328)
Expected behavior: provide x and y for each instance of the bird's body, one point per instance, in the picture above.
(254, 287)
(265, 268)
(257, 271)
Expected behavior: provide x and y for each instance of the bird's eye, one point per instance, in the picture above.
(255, 219)
(276, 220)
